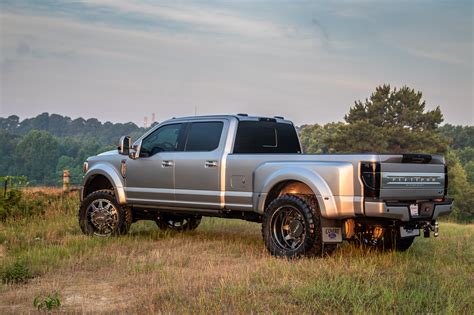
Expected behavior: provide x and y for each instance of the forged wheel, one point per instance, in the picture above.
(291, 227)
(101, 215)
(288, 227)
(177, 222)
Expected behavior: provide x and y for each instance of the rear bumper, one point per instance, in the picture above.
(401, 211)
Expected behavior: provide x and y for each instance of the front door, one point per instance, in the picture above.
(150, 177)
(198, 166)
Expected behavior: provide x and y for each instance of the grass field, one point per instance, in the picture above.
(223, 267)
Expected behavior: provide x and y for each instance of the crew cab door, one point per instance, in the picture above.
(198, 165)
(150, 177)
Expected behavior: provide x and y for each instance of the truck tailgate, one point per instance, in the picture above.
(406, 178)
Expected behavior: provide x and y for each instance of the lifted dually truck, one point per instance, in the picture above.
(253, 168)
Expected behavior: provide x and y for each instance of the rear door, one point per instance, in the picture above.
(198, 165)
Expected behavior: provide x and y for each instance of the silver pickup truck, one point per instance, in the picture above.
(253, 168)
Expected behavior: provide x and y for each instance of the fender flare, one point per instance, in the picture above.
(109, 172)
(306, 176)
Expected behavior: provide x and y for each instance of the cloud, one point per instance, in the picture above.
(202, 18)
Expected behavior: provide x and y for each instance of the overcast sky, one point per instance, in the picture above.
(309, 61)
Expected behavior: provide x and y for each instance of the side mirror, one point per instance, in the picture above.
(124, 145)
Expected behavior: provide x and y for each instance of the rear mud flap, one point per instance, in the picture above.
(331, 231)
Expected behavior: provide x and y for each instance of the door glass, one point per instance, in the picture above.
(204, 136)
(163, 139)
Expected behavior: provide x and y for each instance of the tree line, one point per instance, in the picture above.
(42, 147)
(390, 120)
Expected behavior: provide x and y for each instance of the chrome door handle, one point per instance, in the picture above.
(210, 164)
(167, 163)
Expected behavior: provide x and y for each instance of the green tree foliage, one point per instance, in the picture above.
(470, 172)
(7, 157)
(460, 188)
(42, 147)
(316, 138)
(391, 120)
(461, 137)
(80, 129)
(36, 156)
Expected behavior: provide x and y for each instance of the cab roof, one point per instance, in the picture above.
(240, 117)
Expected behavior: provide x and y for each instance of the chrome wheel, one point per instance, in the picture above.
(288, 227)
(103, 216)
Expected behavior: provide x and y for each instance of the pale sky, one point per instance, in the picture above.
(309, 61)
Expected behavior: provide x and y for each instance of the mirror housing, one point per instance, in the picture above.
(124, 145)
(134, 152)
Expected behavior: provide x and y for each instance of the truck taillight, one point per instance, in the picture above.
(370, 174)
(445, 180)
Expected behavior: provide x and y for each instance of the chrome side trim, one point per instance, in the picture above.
(148, 201)
(394, 180)
(229, 143)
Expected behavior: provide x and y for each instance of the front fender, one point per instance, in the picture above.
(108, 171)
(267, 176)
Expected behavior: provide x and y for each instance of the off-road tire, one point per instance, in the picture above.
(393, 241)
(165, 222)
(124, 214)
(307, 207)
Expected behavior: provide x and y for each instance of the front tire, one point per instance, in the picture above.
(291, 227)
(100, 214)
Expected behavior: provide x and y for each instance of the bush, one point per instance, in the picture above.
(16, 273)
(48, 302)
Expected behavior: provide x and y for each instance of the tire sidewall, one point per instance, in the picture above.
(311, 223)
(84, 222)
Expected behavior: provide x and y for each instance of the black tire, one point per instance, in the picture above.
(393, 241)
(178, 222)
(109, 219)
(291, 227)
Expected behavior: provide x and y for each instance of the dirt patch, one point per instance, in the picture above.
(80, 292)
(94, 297)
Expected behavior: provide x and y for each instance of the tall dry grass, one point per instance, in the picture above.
(224, 267)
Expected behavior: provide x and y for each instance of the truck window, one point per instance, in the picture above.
(163, 139)
(203, 136)
(266, 137)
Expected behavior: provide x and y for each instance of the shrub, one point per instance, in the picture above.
(47, 302)
(16, 273)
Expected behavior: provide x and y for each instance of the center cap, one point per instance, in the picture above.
(99, 218)
(296, 228)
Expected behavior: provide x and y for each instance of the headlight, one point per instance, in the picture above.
(85, 167)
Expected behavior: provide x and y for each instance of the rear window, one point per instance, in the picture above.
(204, 136)
(266, 137)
